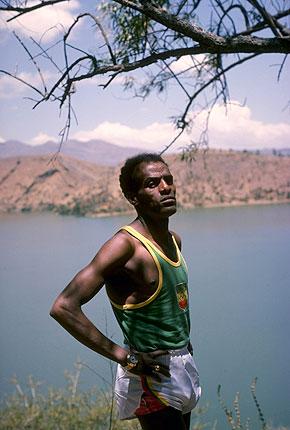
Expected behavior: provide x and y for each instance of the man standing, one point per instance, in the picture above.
(146, 282)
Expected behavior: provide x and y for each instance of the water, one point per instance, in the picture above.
(239, 267)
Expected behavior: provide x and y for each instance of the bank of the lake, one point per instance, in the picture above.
(68, 186)
(239, 270)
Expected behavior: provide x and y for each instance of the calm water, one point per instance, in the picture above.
(239, 262)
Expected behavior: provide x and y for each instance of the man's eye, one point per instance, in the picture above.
(151, 184)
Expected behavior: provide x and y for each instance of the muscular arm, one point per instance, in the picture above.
(85, 285)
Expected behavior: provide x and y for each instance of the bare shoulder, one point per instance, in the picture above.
(116, 251)
(111, 257)
(177, 238)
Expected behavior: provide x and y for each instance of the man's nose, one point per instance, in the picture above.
(164, 187)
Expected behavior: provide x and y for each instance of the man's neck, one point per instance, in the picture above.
(158, 230)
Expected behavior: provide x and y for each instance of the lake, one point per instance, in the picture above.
(239, 267)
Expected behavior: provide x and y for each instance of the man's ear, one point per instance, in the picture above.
(132, 198)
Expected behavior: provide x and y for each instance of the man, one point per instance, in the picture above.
(146, 281)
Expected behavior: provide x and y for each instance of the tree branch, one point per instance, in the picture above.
(22, 82)
(144, 33)
(266, 16)
(263, 24)
(208, 40)
(27, 9)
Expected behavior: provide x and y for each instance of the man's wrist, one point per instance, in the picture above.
(132, 360)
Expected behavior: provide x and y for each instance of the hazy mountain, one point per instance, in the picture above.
(70, 186)
(283, 152)
(94, 151)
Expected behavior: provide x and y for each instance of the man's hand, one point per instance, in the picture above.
(148, 364)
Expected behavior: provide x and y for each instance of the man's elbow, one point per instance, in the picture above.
(57, 309)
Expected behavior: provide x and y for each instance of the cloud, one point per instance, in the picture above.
(2, 140)
(186, 62)
(151, 137)
(42, 138)
(235, 129)
(46, 23)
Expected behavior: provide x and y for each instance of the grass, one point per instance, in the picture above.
(72, 409)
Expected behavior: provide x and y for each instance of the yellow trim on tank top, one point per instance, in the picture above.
(144, 240)
(154, 295)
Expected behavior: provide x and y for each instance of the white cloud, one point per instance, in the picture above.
(2, 140)
(186, 62)
(152, 136)
(46, 23)
(236, 129)
(42, 138)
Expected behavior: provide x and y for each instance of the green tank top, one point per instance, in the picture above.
(162, 321)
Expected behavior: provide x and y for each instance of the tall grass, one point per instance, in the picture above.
(72, 409)
(234, 419)
(66, 409)
(61, 409)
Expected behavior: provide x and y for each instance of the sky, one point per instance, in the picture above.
(257, 117)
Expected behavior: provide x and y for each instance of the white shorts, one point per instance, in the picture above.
(136, 395)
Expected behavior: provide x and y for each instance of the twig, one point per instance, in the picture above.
(27, 9)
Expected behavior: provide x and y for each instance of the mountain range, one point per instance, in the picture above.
(95, 151)
(67, 185)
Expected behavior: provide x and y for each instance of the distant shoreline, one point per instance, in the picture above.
(72, 187)
(132, 212)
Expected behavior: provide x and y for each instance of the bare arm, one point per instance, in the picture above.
(85, 285)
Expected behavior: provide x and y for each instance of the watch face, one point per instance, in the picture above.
(132, 359)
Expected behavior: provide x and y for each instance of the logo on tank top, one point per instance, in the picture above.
(182, 295)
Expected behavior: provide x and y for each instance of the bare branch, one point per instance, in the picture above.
(143, 34)
(214, 79)
(172, 141)
(32, 59)
(267, 17)
(281, 68)
(22, 81)
(26, 9)
(263, 25)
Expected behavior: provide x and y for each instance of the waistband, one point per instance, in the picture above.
(176, 352)
(172, 352)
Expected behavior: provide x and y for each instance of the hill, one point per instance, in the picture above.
(70, 186)
(95, 151)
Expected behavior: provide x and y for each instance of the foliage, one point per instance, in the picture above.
(72, 409)
(61, 409)
(234, 418)
(68, 408)
(154, 37)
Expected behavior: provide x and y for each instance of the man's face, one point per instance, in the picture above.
(155, 194)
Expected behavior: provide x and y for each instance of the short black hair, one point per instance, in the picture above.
(127, 182)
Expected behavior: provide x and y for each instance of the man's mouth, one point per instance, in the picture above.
(169, 200)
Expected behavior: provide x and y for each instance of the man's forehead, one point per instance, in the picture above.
(152, 168)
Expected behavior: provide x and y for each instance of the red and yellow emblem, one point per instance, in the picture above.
(182, 296)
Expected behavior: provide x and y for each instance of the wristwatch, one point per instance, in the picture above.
(132, 361)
